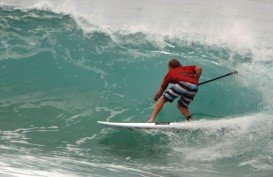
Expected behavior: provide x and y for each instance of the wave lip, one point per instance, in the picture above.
(236, 28)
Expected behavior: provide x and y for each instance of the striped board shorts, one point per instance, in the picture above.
(185, 90)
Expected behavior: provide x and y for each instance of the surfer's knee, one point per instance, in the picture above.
(183, 109)
(180, 106)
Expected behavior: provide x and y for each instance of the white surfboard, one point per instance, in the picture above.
(157, 125)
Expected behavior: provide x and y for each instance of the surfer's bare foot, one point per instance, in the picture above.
(150, 120)
(188, 120)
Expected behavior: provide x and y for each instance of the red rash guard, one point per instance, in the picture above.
(181, 73)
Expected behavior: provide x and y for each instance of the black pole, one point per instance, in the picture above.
(234, 72)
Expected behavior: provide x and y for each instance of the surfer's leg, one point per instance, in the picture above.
(184, 110)
(186, 98)
(158, 106)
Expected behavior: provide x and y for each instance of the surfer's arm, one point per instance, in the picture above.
(198, 72)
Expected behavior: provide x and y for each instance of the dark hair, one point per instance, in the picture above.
(173, 63)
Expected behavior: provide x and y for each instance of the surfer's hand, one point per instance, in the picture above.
(156, 97)
(158, 94)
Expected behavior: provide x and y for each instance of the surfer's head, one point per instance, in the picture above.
(173, 63)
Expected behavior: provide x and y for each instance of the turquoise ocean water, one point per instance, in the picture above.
(64, 65)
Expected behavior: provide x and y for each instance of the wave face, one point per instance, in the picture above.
(67, 64)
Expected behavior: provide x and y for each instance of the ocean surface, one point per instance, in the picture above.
(66, 64)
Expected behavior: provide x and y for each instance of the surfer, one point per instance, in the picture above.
(185, 85)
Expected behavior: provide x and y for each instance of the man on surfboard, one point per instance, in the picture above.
(185, 85)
